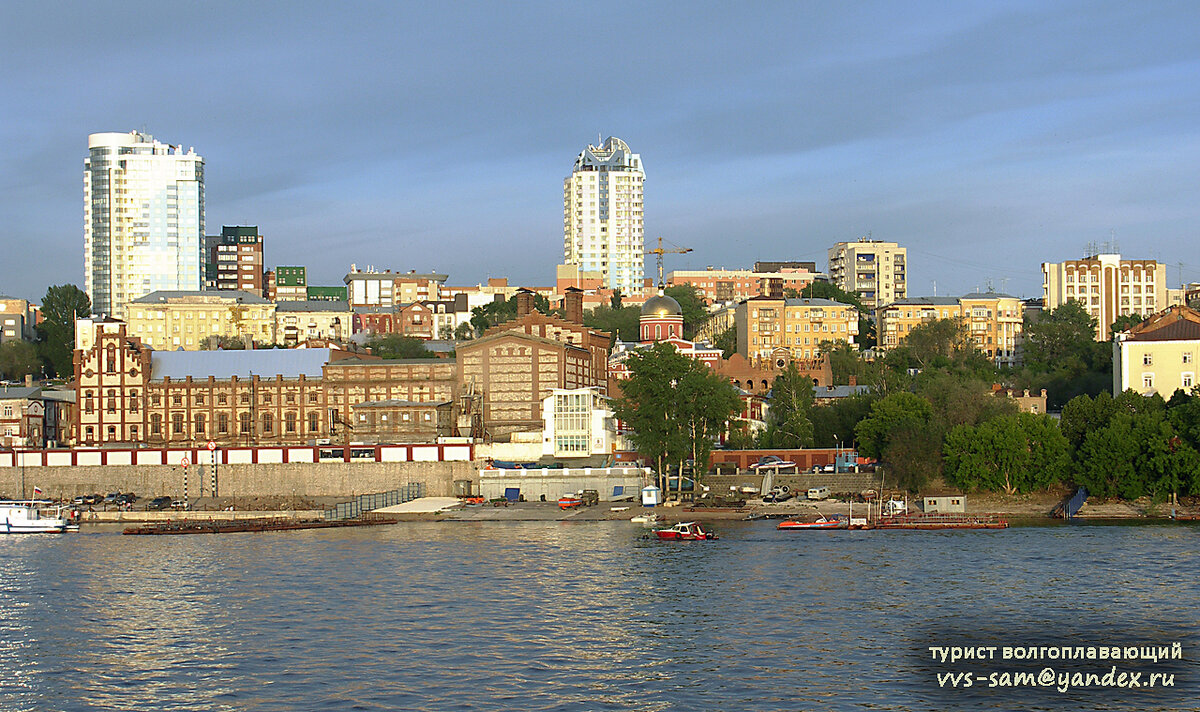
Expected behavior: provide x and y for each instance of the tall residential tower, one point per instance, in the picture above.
(872, 269)
(143, 206)
(602, 215)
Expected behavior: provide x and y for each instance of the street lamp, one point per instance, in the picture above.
(837, 458)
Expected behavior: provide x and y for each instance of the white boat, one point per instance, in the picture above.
(24, 517)
(648, 518)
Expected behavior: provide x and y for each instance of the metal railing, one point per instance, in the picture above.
(363, 503)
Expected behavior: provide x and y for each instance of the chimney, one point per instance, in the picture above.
(524, 302)
(573, 305)
(853, 380)
(29, 380)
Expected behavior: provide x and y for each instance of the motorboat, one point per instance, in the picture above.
(821, 523)
(685, 531)
(24, 517)
(647, 518)
(570, 501)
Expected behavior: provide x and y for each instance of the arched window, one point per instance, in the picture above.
(199, 423)
(223, 423)
(244, 423)
(290, 422)
(267, 422)
(314, 422)
(156, 424)
(177, 424)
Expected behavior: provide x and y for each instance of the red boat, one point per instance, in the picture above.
(569, 501)
(821, 523)
(685, 531)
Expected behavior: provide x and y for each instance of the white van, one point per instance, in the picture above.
(818, 493)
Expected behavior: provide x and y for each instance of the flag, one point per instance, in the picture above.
(37, 491)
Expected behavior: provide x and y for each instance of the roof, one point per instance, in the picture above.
(19, 392)
(661, 305)
(988, 295)
(222, 365)
(1175, 324)
(314, 305)
(231, 295)
(839, 391)
(814, 302)
(924, 301)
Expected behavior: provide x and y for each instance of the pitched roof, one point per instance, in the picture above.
(312, 305)
(19, 392)
(222, 296)
(1178, 323)
(222, 365)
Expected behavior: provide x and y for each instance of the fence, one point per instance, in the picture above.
(370, 502)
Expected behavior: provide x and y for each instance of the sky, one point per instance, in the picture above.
(986, 138)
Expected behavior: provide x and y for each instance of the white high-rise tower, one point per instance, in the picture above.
(143, 206)
(602, 215)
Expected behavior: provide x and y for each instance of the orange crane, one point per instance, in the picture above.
(658, 254)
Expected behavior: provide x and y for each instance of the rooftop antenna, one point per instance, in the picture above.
(935, 287)
(1004, 284)
(991, 289)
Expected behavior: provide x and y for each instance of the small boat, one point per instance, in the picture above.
(570, 501)
(685, 531)
(647, 518)
(821, 523)
(24, 517)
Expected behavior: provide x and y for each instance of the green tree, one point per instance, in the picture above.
(674, 405)
(1125, 322)
(1013, 453)
(937, 342)
(826, 290)
(464, 332)
(898, 433)
(615, 302)
(61, 306)
(498, 312)
(727, 342)
(1138, 454)
(789, 421)
(18, 359)
(691, 305)
(622, 323)
(1062, 355)
(395, 346)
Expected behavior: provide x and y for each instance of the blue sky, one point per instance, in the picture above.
(985, 137)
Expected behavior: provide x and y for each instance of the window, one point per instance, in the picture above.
(244, 423)
(222, 399)
(1147, 359)
(245, 397)
(199, 423)
(314, 422)
(156, 424)
(290, 422)
(223, 423)
(90, 432)
(177, 424)
(1187, 380)
(199, 399)
(177, 399)
(267, 422)
(312, 396)
(133, 432)
(1148, 380)
(1187, 357)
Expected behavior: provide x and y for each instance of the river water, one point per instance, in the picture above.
(584, 616)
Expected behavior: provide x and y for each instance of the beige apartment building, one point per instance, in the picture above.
(894, 322)
(993, 320)
(875, 270)
(765, 324)
(995, 323)
(717, 284)
(168, 321)
(1158, 355)
(296, 322)
(1107, 287)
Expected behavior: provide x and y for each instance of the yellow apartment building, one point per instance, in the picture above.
(765, 324)
(995, 323)
(894, 322)
(168, 321)
(1107, 287)
(1158, 355)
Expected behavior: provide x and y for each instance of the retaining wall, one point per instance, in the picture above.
(295, 479)
(555, 482)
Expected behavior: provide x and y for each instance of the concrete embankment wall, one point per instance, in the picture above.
(326, 479)
(554, 483)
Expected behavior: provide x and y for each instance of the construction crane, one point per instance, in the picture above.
(658, 255)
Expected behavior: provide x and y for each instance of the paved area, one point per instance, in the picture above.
(423, 505)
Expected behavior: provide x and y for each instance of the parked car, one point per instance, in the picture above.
(159, 503)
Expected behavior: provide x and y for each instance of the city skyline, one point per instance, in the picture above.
(414, 137)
